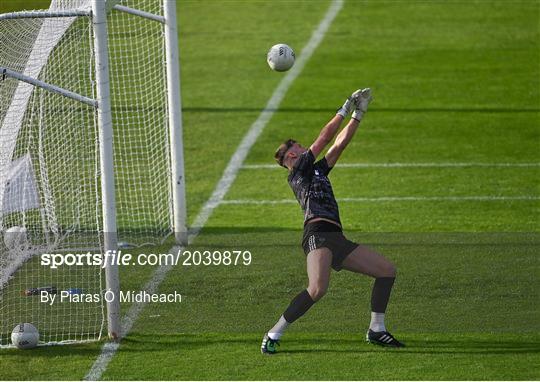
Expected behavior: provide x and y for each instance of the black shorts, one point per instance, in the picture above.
(323, 234)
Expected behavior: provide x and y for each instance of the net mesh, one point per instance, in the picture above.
(140, 119)
(50, 198)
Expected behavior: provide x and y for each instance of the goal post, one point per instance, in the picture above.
(105, 128)
(175, 123)
(91, 153)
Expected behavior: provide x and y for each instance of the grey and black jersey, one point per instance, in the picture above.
(311, 186)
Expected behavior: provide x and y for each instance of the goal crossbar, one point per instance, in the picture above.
(43, 14)
(76, 13)
(44, 85)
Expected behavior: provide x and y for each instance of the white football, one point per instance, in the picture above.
(25, 336)
(280, 57)
(16, 238)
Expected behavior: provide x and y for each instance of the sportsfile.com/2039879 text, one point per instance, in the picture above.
(182, 257)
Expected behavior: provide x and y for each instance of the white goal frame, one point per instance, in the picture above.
(102, 104)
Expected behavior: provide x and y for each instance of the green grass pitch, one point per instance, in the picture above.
(454, 82)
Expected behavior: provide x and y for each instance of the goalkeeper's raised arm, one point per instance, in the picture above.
(290, 151)
(361, 100)
(352, 104)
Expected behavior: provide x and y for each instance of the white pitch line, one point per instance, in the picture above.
(391, 199)
(398, 165)
(257, 127)
(229, 175)
(109, 348)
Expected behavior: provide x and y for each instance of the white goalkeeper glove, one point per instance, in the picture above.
(349, 104)
(361, 103)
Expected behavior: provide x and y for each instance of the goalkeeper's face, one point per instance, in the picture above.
(288, 153)
(294, 153)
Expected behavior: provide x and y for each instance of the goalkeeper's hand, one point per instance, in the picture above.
(349, 104)
(361, 103)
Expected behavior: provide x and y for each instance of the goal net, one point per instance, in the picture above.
(50, 178)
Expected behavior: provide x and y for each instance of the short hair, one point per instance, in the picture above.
(279, 156)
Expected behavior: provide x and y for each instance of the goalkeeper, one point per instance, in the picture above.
(324, 244)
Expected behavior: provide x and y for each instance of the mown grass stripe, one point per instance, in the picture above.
(406, 165)
(396, 199)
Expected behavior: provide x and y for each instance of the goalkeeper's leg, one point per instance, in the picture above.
(364, 260)
(319, 263)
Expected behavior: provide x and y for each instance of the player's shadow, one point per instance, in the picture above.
(319, 344)
(419, 346)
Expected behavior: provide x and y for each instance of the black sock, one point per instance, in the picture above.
(381, 293)
(298, 306)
